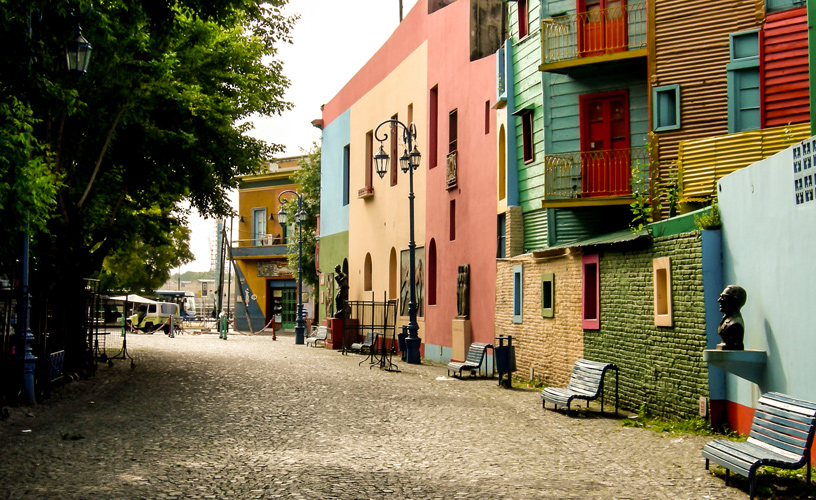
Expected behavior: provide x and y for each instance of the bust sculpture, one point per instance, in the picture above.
(732, 327)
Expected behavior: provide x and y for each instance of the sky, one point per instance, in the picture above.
(332, 40)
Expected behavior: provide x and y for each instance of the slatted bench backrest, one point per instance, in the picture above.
(476, 353)
(586, 376)
(369, 338)
(785, 424)
(322, 333)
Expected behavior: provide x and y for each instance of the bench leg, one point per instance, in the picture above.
(616, 392)
(808, 470)
(706, 464)
(727, 472)
(752, 490)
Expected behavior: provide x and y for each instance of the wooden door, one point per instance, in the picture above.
(601, 27)
(605, 158)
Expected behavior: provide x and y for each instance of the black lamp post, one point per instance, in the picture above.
(300, 217)
(77, 53)
(408, 161)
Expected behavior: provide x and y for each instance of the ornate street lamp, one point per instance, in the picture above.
(408, 163)
(300, 218)
(77, 54)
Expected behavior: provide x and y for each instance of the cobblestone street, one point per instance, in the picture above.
(201, 417)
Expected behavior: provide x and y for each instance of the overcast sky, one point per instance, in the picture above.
(332, 41)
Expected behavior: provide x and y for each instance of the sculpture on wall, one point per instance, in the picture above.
(463, 292)
(341, 298)
(732, 327)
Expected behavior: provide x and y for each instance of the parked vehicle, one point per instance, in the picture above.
(151, 316)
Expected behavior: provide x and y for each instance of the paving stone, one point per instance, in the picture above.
(200, 417)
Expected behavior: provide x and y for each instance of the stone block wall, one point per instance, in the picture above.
(659, 366)
(546, 348)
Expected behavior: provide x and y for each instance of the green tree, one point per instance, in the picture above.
(308, 180)
(160, 119)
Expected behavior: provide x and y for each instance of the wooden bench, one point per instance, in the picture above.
(368, 343)
(473, 361)
(781, 436)
(320, 334)
(586, 383)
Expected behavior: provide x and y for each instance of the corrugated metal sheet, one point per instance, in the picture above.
(535, 230)
(704, 162)
(691, 49)
(576, 224)
(785, 68)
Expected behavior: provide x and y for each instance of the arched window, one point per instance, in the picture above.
(367, 273)
(393, 275)
(432, 273)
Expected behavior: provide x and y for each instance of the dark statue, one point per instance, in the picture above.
(732, 328)
(341, 298)
(462, 292)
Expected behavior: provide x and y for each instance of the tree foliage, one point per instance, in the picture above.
(102, 166)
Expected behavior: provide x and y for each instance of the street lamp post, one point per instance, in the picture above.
(300, 217)
(77, 54)
(408, 161)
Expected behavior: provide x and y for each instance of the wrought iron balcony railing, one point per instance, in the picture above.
(594, 33)
(595, 174)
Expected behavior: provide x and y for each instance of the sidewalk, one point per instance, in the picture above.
(248, 417)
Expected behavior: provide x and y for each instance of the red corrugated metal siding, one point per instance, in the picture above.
(785, 68)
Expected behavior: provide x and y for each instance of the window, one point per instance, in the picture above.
(393, 276)
(432, 272)
(661, 269)
(500, 240)
(369, 165)
(548, 295)
(453, 130)
(502, 164)
(528, 153)
(395, 152)
(523, 25)
(452, 221)
(487, 117)
(367, 273)
(591, 313)
(517, 293)
(780, 5)
(666, 108)
(258, 226)
(346, 173)
(433, 127)
(743, 82)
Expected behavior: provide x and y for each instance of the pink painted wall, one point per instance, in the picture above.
(465, 86)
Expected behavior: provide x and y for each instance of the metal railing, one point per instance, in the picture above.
(594, 33)
(610, 173)
(265, 240)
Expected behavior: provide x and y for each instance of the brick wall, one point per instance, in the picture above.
(514, 232)
(550, 346)
(659, 366)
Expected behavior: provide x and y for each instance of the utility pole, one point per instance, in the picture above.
(400, 8)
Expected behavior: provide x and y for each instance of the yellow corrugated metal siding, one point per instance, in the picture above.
(692, 49)
(705, 161)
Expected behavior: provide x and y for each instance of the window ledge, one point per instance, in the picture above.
(366, 192)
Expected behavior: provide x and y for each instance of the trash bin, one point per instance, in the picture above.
(505, 355)
(401, 341)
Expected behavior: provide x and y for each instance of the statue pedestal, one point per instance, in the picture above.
(748, 364)
(460, 338)
(335, 341)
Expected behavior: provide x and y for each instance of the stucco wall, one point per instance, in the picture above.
(333, 213)
(768, 243)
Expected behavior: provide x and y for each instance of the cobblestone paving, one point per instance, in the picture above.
(201, 417)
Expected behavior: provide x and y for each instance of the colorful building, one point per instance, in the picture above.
(436, 71)
(266, 288)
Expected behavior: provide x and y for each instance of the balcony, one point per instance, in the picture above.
(592, 37)
(703, 162)
(269, 245)
(595, 177)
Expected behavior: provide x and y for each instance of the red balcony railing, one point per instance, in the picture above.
(595, 174)
(594, 33)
